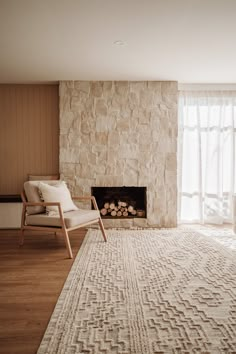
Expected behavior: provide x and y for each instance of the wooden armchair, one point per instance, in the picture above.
(34, 216)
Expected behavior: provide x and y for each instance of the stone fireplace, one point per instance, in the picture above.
(120, 133)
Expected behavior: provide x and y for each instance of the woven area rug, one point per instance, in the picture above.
(147, 291)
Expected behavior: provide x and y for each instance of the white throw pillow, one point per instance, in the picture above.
(58, 193)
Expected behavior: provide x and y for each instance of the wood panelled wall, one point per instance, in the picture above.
(29, 134)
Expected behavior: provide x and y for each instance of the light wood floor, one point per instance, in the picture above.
(31, 279)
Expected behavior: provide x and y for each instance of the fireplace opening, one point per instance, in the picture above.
(121, 202)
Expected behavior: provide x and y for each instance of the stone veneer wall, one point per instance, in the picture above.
(119, 133)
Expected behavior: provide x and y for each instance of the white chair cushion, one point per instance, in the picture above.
(72, 218)
(32, 195)
(57, 193)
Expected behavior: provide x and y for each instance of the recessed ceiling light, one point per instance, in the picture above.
(119, 43)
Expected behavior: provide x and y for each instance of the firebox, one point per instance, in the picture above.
(121, 202)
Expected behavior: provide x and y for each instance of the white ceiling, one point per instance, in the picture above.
(191, 41)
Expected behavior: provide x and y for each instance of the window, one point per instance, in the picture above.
(207, 132)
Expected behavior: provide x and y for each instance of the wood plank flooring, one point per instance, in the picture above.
(31, 279)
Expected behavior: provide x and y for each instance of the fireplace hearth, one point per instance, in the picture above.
(121, 202)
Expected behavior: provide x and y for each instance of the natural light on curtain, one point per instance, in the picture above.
(207, 153)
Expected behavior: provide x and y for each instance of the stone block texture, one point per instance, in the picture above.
(122, 133)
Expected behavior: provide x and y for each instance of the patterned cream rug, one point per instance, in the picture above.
(144, 292)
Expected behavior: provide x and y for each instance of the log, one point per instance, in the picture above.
(112, 206)
(103, 211)
(106, 205)
(113, 213)
(125, 213)
(119, 213)
(134, 212)
(130, 208)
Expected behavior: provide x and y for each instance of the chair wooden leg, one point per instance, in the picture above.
(102, 229)
(21, 238)
(67, 242)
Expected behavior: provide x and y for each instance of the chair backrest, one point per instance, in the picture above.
(43, 177)
(32, 195)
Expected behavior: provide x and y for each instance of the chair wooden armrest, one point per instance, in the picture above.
(42, 204)
(91, 197)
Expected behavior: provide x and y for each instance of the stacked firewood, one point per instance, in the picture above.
(118, 209)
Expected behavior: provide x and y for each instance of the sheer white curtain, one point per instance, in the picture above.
(207, 153)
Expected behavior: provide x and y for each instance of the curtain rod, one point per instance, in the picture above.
(206, 87)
